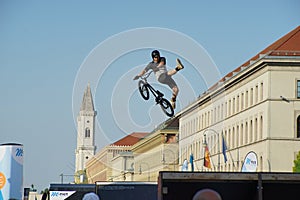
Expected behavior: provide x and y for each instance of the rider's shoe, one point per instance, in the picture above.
(179, 65)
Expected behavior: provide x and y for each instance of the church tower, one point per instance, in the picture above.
(85, 130)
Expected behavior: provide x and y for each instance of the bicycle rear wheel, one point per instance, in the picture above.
(166, 107)
(144, 90)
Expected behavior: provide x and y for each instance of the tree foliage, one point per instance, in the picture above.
(80, 177)
(296, 167)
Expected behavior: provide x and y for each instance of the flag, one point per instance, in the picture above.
(207, 158)
(224, 148)
(192, 162)
(185, 165)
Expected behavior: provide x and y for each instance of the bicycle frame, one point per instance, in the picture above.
(156, 93)
(145, 86)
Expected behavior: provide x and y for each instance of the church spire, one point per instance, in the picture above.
(85, 131)
(87, 102)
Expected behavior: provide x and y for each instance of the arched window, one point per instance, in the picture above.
(87, 133)
(261, 127)
(242, 134)
(261, 164)
(233, 138)
(246, 133)
(298, 126)
(242, 101)
(251, 131)
(261, 91)
(255, 130)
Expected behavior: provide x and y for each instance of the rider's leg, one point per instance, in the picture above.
(179, 66)
(172, 72)
(165, 79)
(173, 99)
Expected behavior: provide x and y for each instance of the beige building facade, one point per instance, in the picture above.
(254, 108)
(156, 152)
(138, 156)
(112, 161)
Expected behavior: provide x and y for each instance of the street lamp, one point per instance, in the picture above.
(140, 169)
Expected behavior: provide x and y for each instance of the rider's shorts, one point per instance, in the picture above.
(166, 79)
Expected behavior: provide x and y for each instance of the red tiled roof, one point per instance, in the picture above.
(284, 46)
(131, 139)
(288, 45)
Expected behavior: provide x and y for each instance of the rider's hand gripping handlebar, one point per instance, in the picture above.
(136, 77)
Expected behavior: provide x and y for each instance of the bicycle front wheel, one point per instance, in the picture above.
(144, 90)
(166, 107)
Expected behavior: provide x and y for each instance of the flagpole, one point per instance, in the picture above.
(223, 140)
(218, 152)
(232, 159)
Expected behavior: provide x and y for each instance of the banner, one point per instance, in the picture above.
(250, 162)
(60, 195)
(11, 171)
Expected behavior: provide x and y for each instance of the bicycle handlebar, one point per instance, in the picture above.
(145, 76)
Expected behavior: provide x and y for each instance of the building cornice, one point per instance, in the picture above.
(225, 84)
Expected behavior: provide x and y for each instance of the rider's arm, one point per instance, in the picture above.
(147, 68)
(142, 72)
(162, 62)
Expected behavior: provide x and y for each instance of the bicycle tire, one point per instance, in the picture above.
(166, 107)
(144, 90)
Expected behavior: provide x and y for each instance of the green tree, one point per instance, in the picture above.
(46, 190)
(80, 177)
(296, 167)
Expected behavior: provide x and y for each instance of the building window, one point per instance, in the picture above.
(261, 91)
(246, 99)
(251, 132)
(233, 138)
(242, 135)
(261, 128)
(238, 103)
(256, 94)
(225, 111)
(229, 107)
(246, 133)
(233, 106)
(255, 130)
(251, 96)
(298, 126)
(298, 89)
(238, 136)
(242, 101)
(222, 116)
(87, 133)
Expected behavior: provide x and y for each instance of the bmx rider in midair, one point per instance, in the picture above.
(158, 65)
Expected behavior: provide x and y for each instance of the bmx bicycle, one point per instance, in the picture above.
(145, 87)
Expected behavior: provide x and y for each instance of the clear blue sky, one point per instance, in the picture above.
(44, 44)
